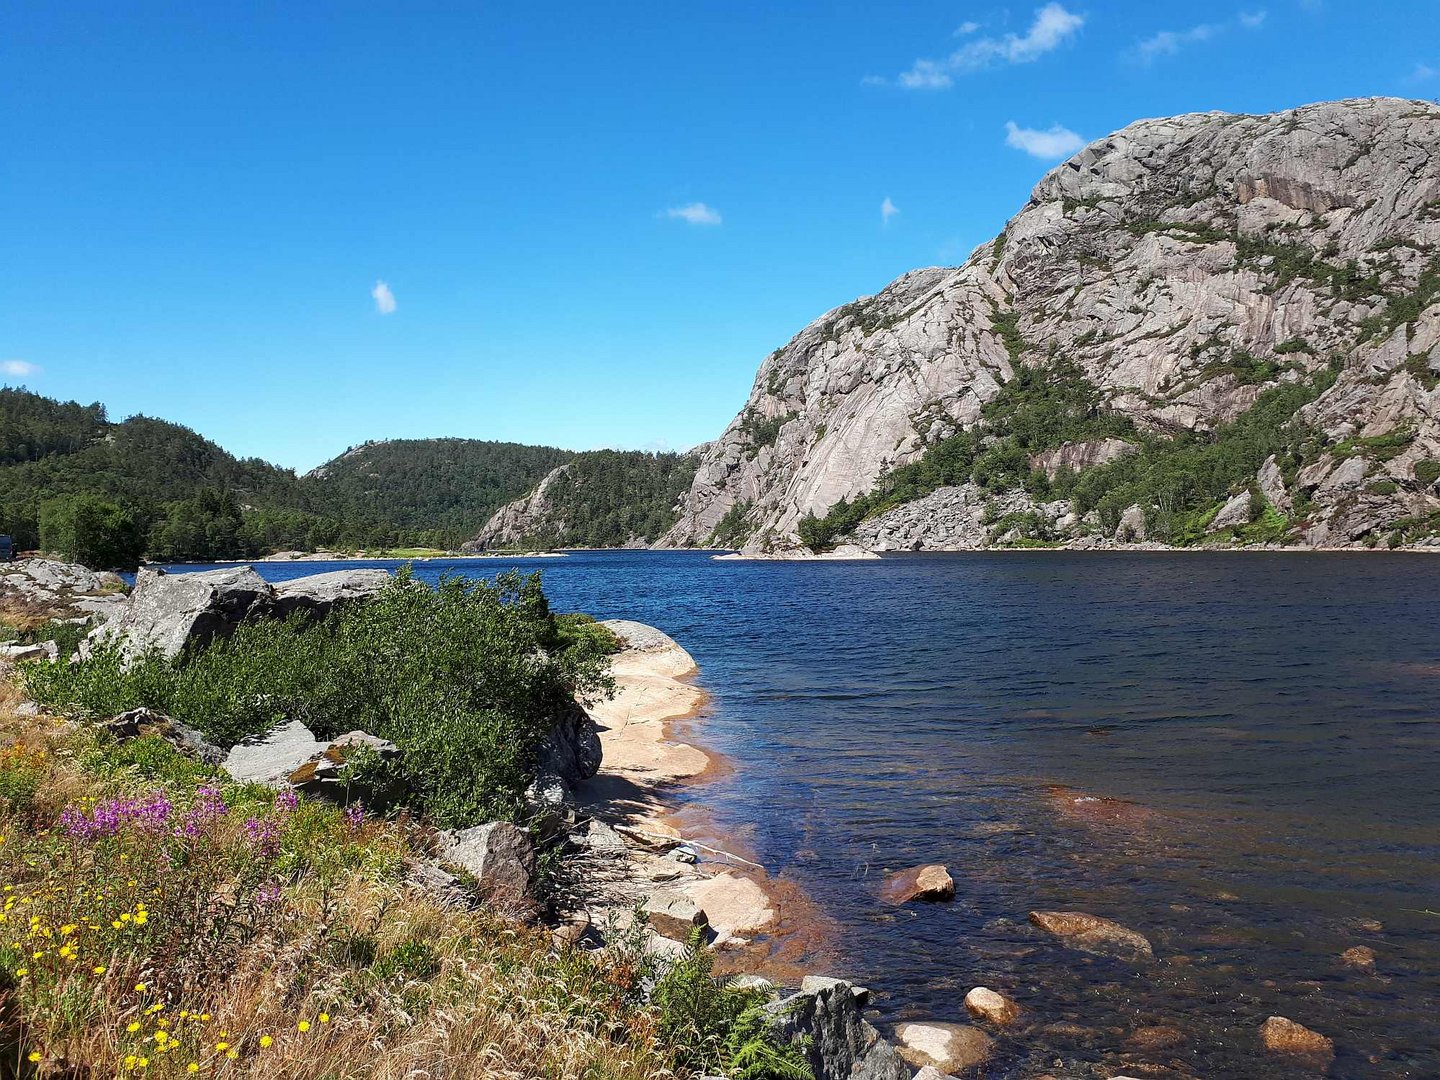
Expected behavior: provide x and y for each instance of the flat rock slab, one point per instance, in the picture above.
(1287, 1038)
(734, 905)
(1092, 934)
(674, 915)
(271, 758)
(320, 594)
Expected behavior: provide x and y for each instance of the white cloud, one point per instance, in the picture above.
(1170, 42)
(384, 298)
(887, 210)
(19, 368)
(1052, 27)
(696, 213)
(1423, 73)
(1054, 142)
(965, 29)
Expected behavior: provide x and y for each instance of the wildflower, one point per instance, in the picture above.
(99, 969)
(287, 799)
(22, 972)
(193, 1067)
(130, 1060)
(266, 1042)
(139, 988)
(304, 1025)
(324, 1018)
(132, 1026)
(143, 1062)
(355, 815)
(231, 1055)
(34, 1056)
(222, 1046)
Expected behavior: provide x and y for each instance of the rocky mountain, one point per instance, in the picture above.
(1211, 327)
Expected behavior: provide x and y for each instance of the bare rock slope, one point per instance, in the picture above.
(1186, 266)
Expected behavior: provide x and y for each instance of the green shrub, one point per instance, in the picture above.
(1427, 471)
(717, 1029)
(467, 678)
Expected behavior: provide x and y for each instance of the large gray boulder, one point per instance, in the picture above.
(168, 612)
(568, 757)
(320, 595)
(501, 859)
(273, 757)
(842, 1044)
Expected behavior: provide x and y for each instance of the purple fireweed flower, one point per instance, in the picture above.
(147, 813)
(355, 815)
(264, 837)
(209, 806)
(267, 894)
(287, 800)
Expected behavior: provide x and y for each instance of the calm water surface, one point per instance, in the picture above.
(1237, 755)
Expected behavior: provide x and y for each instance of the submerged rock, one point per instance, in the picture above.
(985, 1004)
(840, 1044)
(1092, 934)
(930, 884)
(952, 1048)
(1282, 1036)
(501, 859)
(1361, 957)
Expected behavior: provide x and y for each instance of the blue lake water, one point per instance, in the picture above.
(1236, 754)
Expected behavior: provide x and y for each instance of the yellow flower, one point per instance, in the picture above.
(193, 1067)
(143, 1062)
(68, 929)
(130, 1060)
(266, 1042)
(99, 969)
(34, 1055)
(205, 1017)
(161, 1037)
(139, 988)
(134, 1025)
(22, 972)
(304, 1025)
(222, 1046)
(231, 1055)
(116, 923)
(324, 1018)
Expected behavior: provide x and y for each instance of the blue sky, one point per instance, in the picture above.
(591, 221)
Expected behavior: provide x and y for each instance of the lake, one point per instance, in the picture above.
(1236, 754)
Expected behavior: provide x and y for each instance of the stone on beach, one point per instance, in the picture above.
(930, 884)
(985, 1004)
(952, 1048)
(734, 905)
(1282, 1036)
(674, 915)
(1092, 934)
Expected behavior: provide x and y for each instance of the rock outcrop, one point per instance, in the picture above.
(517, 521)
(320, 595)
(501, 859)
(168, 612)
(840, 1043)
(1185, 265)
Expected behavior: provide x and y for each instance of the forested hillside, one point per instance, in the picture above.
(442, 485)
(600, 498)
(160, 490)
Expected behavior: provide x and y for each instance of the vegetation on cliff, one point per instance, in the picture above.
(608, 498)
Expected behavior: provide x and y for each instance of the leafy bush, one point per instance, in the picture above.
(91, 531)
(1427, 471)
(467, 678)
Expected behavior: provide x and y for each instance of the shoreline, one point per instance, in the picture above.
(762, 925)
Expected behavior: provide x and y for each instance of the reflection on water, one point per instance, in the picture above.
(1235, 754)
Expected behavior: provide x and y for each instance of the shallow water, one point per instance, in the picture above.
(1266, 724)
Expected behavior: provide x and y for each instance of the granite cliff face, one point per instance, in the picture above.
(1185, 267)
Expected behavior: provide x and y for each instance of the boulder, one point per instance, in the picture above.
(16, 653)
(929, 1072)
(1092, 934)
(674, 915)
(143, 721)
(985, 1004)
(326, 775)
(272, 757)
(1285, 1037)
(320, 595)
(1233, 514)
(1132, 525)
(170, 612)
(951, 1048)
(568, 757)
(930, 884)
(839, 1043)
(501, 859)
